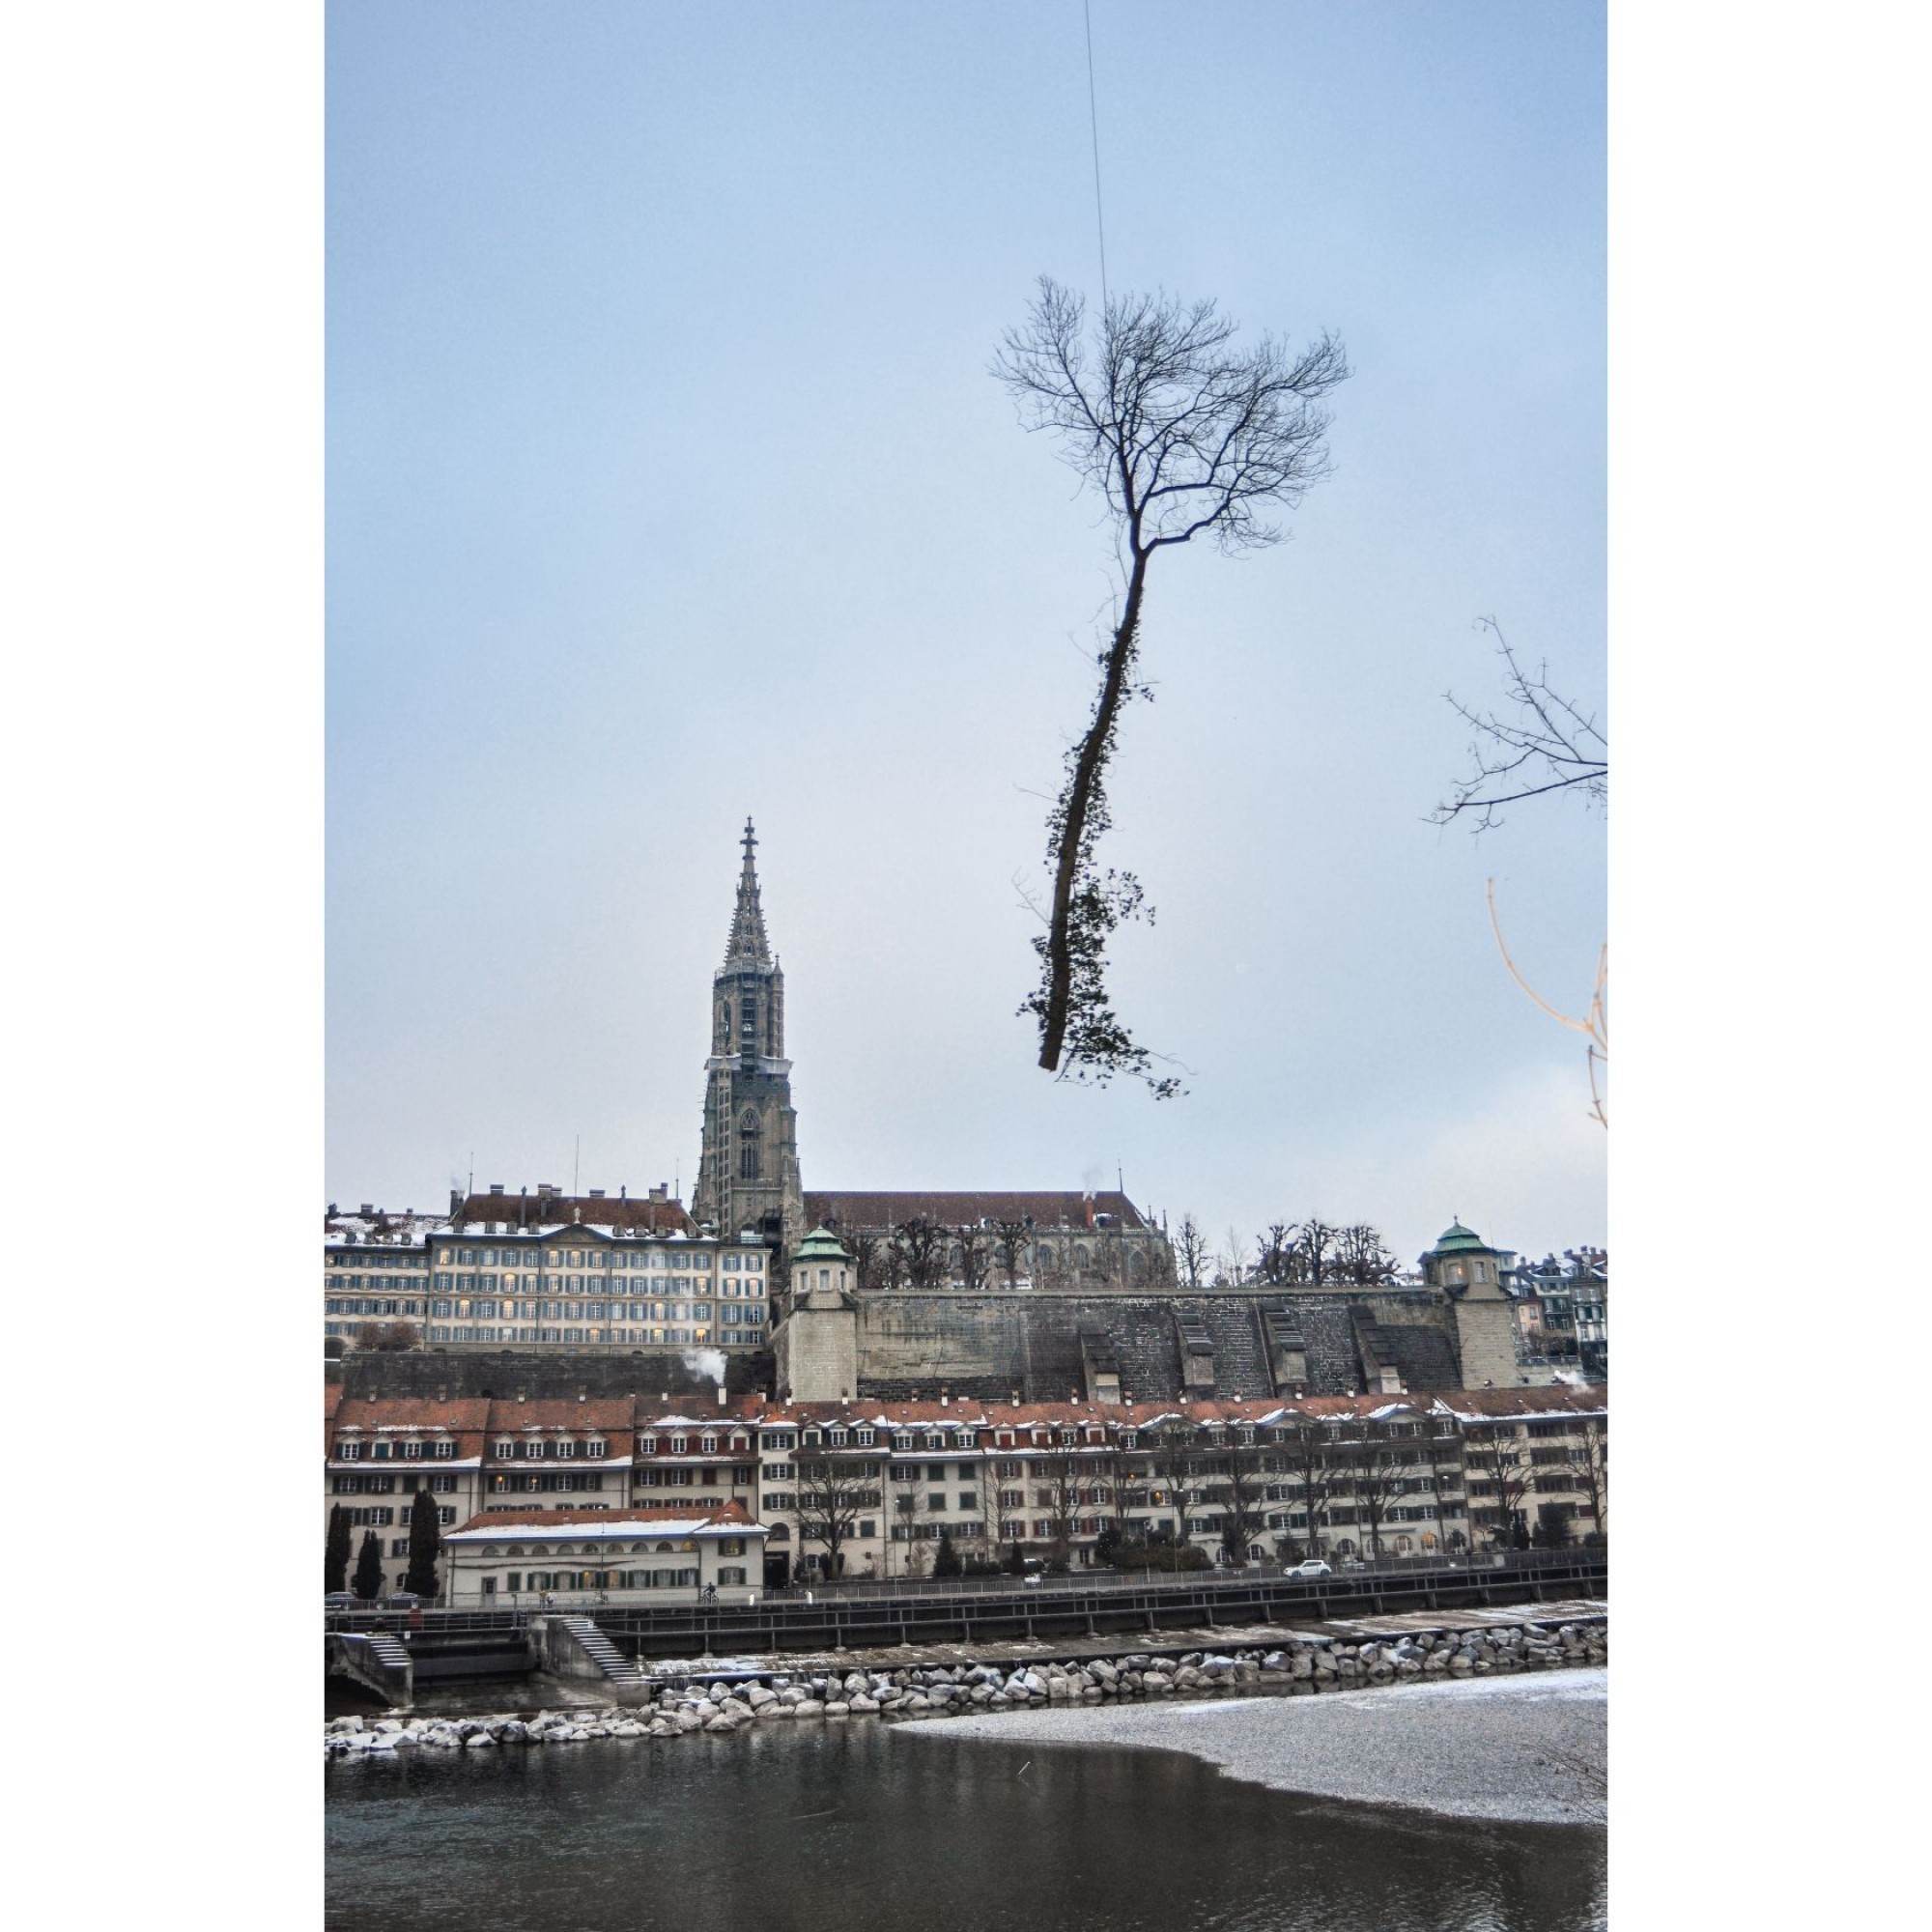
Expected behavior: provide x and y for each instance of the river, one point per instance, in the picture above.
(786, 1829)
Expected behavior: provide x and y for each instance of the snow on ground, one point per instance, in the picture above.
(1519, 1749)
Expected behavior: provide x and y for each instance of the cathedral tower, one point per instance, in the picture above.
(747, 1171)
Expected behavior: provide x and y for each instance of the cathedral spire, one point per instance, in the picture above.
(748, 922)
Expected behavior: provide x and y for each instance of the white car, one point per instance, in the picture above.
(1311, 1565)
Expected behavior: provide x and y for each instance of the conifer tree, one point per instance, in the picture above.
(369, 1568)
(425, 1545)
(946, 1563)
(336, 1552)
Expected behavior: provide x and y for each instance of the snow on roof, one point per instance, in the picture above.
(582, 1525)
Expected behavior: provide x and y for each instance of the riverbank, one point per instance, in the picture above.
(1298, 1665)
(1512, 1748)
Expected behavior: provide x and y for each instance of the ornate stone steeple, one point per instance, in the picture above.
(748, 1169)
(748, 942)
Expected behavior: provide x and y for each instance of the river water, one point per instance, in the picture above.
(837, 1826)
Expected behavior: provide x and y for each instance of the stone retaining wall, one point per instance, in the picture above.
(1303, 1664)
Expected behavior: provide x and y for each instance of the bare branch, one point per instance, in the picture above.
(1546, 738)
(1594, 1026)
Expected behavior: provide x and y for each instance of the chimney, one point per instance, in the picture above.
(659, 1192)
(943, 1398)
(522, 1395)
(368, 1208)
(720, 1395)
(596, 1194)
(583, 1393)
(495, 1187)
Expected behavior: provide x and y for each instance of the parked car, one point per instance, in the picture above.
(339, 1600)
(402, 1600)
(1031, 1579)
(1311, 1565)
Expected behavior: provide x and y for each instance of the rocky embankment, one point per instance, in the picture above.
(1303, 1664)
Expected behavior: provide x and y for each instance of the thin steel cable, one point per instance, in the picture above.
(1094, 122)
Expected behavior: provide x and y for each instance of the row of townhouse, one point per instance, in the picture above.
(868, 1489)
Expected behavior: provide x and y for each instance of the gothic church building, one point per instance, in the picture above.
(748, 1173)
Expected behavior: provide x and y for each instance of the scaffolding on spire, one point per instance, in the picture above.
(748, 940)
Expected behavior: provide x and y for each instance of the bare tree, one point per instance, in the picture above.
(1271, 1252)
(1311, 1471)
(1178, 1470)
(388, 1337)
(1191, 1253)
(1229, 1268)
(1593, 1470)
(1183, 437)
(925, 1245)
(1499, 1464)
(1378, 1472)
(1243, 1495)
(1362, 1257)
(1311, 1260)
(1057, 1476)
(905, 1512)
(832, 1492)
(1542, 743)
(866, 1250)
(1009, 1248)
(894, 1263)
(975, 1257)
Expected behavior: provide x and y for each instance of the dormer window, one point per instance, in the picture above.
(677, 1445)
(648, 1444)
(708, 1444)
(866, 1437)
(349, 1452)
(413, 1451)
(836, 1438)
(596, 1448)
(809, 1438)
(445, 1450)
(504, 1449)
(966, 1439)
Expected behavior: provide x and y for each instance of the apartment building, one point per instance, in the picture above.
(570, 1556)
(866, 1489)
(377, 1456)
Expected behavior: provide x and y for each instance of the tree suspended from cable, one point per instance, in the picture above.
(1185, 437)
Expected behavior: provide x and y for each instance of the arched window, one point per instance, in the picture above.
(747, 1145)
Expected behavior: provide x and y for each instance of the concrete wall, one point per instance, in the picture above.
(817, 1351)
(549, 1375)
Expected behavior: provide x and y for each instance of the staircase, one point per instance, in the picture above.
(600, 1650)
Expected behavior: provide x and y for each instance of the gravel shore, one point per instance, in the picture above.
(1529, 1750)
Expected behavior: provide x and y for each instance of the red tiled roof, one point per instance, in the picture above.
(1049, 1211)
(1499, 1404)
(532, 1210)
(608, 1415)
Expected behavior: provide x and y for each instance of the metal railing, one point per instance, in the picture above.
(905, 1603)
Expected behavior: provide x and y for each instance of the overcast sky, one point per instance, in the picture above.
(666, 485)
